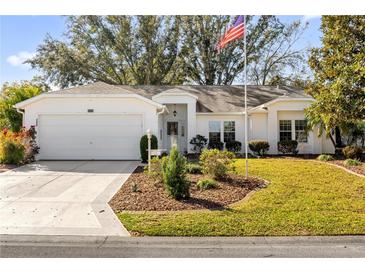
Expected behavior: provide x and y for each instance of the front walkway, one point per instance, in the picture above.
(62, 198)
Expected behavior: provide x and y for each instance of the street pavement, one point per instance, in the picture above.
(182, 247)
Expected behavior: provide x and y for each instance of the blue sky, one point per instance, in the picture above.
(20, 36)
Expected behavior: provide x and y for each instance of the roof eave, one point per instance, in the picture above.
(32, 100)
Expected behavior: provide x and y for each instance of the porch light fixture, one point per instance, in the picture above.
(174, 112)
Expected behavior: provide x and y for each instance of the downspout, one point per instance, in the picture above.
(22, 113)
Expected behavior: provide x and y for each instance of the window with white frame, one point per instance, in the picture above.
(285, 130)
(229, 131)
(214, 131)
(300, 131)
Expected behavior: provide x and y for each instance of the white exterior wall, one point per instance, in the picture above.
(100, 105)
(257, 126)
(273, 119)
(181, 116)
(293, 110)
(261, 125)
(190, 102)
(202, 125)
(327, 145)
(304, 148)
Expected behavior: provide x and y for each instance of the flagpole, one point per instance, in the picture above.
(246, 114)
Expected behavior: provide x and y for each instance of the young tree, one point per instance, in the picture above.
(339, 74)
(113, 49)
(12, 94)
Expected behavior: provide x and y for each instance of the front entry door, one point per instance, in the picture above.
(176, 135)
(172, 135)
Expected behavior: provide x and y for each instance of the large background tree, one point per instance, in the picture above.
(339, 74)
(279, 58)
(113, 49)
(14, 93)
(162, 50)
(270, 49)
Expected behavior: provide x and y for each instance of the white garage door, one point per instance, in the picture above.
(89, 137)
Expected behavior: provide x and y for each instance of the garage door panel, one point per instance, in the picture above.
(99, 137)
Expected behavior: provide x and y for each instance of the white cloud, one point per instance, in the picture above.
(307, 18)
(17, 60)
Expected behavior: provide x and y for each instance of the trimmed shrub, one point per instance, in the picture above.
(351, 162)
(216, 145)
(288, 147)
(143, 146)
(11, 152)
(352, 152)
(199, 142)
(215, 162)
(325, 157)
(174, 175)
(234, 146)
(194, 168)
(156, 168)
(206, 184)
(18, 147)
(259, 147)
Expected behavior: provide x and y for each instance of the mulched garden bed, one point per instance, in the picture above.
(6, 167)
(357, 169)
(151, 195)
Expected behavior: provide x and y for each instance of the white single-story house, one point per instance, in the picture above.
(105, 122)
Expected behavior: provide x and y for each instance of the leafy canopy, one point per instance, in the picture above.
(113, 49)
(339, 74)
(12, 94)
(161, 50)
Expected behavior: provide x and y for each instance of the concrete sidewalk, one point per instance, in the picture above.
(227, 247)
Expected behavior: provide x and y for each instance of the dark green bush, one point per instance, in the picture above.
(216, 163)
(259, 147)
(174, 175)
(143, 146)
(216, 145)
(198, 142)
(11, 152)
(206, 184)
(352, 152)
(193, 168)
(234, 146)
(288, 147)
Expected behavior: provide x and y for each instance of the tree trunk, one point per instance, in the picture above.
(338, 137)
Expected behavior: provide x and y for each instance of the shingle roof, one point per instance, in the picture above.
(94, 88)
(210, 98)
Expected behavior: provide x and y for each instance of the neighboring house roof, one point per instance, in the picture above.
(209, 98)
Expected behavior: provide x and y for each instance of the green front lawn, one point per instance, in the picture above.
(303, 198)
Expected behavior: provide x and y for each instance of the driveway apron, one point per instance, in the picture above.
(62, 198)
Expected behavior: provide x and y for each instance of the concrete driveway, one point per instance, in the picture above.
(62, 198)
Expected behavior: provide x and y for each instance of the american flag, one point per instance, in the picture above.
(233, 33)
